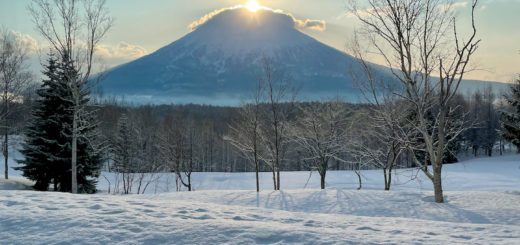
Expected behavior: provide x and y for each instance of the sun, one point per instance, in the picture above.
(252, 6)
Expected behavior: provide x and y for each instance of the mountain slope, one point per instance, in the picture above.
(220, 59)
(219, 62)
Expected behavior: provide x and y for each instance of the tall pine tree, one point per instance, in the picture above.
(511, 119)
(47, 148)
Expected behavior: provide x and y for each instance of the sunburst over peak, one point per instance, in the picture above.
(253, 6)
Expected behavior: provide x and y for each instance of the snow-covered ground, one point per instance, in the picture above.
(483, 174)
(242, 217)
(482, 207)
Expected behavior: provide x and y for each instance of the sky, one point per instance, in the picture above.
(142, 27)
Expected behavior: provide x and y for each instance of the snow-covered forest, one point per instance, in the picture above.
(416, 159)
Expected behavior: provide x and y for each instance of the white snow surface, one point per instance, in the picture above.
(482, 207)
(501, 173)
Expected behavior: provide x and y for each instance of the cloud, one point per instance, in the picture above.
(459, 4)
(205, 18)
(31, 45)
(360, 12)
(122, 50)
(318, 25)
(382, 10)
(363, 13)
(453, 6)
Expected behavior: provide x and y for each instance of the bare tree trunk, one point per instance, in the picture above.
(438, 161)
(74, 170)
(257, 180)
(437, 185)
(389, 177)
(6, 140)
(387, 187)
(359, 179)
(140, 182)
(108, 181)
(322, 175)
(256, 169)
(274, 179)
(501, 146)
(189, 182)
(323, 171)
(277, 147)
(277, 175)
(6, 154)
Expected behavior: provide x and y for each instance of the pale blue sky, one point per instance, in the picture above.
(142, 27)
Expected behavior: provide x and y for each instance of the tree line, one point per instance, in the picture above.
(316, 136)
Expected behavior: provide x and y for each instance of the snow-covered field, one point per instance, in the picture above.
(482, 174)
(482, 207)
(242, 217)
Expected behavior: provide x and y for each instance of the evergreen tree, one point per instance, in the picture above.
(44, 141)
(491, 123)
(47, 147)
(124, 148)
(474, 135)
(511, 119)
(125, 152)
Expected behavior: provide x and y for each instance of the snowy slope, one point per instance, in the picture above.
(301, 217)
(482, 197)
(220, 58)
(218, 63)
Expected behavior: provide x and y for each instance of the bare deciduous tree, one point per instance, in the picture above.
(280, 97)
(384, 136)
(179, 149)
(418, 40)
(320, 132)
(377, 145)
(14, 79)
(244, 134)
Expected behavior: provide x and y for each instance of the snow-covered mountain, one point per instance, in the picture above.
(219, 62)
